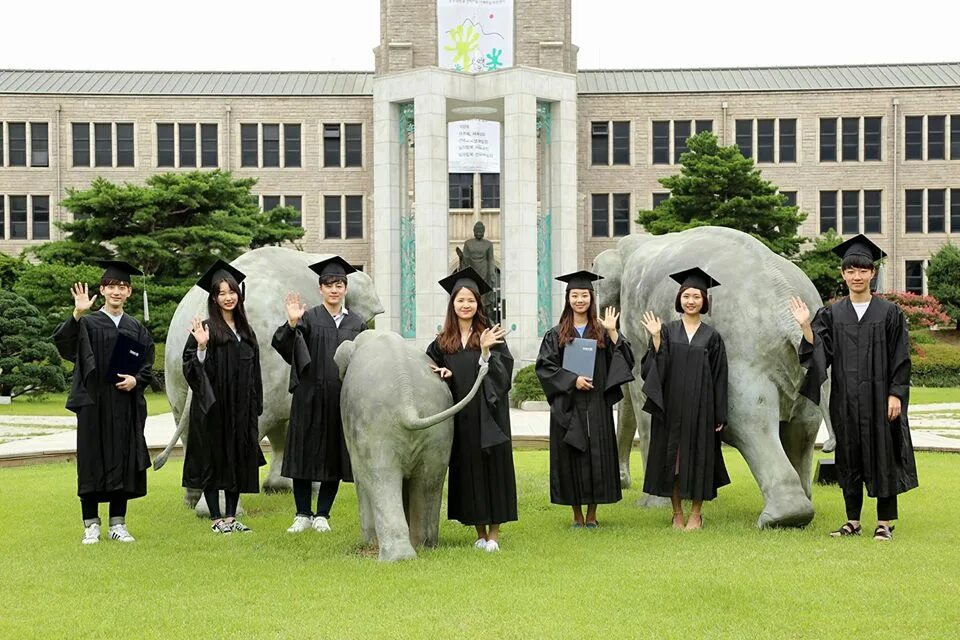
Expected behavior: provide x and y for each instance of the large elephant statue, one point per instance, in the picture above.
(769, 422)
(398, 426)
(270, 273)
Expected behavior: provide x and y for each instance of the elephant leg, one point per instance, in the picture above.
(385, 491)
(626, 431)
(274, 482)
(425, 494)
(754, 429)
(368, 529)
(191, 497)
(798, 437)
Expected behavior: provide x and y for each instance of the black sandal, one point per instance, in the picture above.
(883, 532)
(846, 530)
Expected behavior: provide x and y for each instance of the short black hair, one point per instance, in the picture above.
(106, 282)
(704, 308)
(857, 261)
(332, 279)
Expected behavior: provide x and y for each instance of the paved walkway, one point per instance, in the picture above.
(30, 439)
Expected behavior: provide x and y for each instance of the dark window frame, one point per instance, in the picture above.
(188, 152)
(936, 137)
(682, 131)
(913, 210)
(766, 140)
(17, 144)
(873, 139)
(81, 143)
(102, 144)
(913, 276)
(913, 138)
(621, 215)
(955, 208)
(270, 131)
(331, 145)
(621, 143)
(660, 142)
(353, 145)
(40, 206)
(872, 211)
(787, 139)
(743, 137)
(209, 145)
(828, 211)
(37, 142)
(18, 224)
(288, 201)
(460, 194)
(126, 144)
(850, 211)
(166, 145)
(936, 210)
(828, 139)
(249, 155)
(292, 145)
(600, 215)
(599, 143)
(850, 139)
(332, 218)
(489, 190)
(353, 217)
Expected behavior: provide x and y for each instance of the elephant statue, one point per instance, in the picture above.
(270, 273)
(770, 423)
(399, 458)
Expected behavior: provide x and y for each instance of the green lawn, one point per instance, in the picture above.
(53, 404)
(934, 395)
(635, 577)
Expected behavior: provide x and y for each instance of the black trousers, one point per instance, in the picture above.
(231, 498)
(853, 499)
(90, 508)
(327, 493)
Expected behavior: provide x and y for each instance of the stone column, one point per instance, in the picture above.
(387, 187)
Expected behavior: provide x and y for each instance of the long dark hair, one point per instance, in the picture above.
(449, 338)
(220, 333)
(594, 329)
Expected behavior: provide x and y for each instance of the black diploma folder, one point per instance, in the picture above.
(127, 358)
(579, 357)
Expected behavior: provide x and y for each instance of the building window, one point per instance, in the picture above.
(353, 145)
(955, 139)
(621, 214)
(601, 215)
(39, 149)
(489, 190)
(331, 217)
(461, 191)
(354, 217)
(165, 145)
(828, 139)
(871, 212)
(124, 144)
(188, 144)
(208, 145)
(872, 139)
(291, 145)
(828, 211)
(791, 197)
(103, 144)
(955, 207)
(1, 158)
(765, 130)
(850, 130)
(81, 144)
(788, 140)
(913, 137)
(936, 210)
(850, 211)
(914, 276)
(659, 198)
(17, 134)
(744, 137)
(331, 145)
(271, 145)
(704, 125)
(270, 203)
(41, 217)
(18, 217)
(3, 213)
(936, 140)
(621, 143)
(294, 202)
(661, 142)
(599, 143)
(913, 203)
(249, 141)
(681, 133)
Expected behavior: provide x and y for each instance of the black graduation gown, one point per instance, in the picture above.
(870, 361)
(223, 450)
(315, 448)
(686, 387)
(584, 464)
(112, 456)
(483, 486)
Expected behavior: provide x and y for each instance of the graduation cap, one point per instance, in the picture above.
(218, 272)
(335, 266)
(696, 278)
(118, 270)
(580, 280)
(467, 277)
(859, 245)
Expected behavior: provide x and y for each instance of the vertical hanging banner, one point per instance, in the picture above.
(473, 146)
(475, 35)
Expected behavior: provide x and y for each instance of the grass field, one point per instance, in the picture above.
(632, 578)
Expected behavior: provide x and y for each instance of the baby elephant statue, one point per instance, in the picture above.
(399, 459)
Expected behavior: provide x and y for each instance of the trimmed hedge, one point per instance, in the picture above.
(526, 386)
(936, 365)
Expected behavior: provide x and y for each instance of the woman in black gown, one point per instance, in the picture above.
(221, 362)
(685, 381)
(584, 467)
(483, 488)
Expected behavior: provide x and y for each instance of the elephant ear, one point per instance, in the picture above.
(342, 357)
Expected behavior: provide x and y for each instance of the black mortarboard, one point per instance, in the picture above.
(465, 277)
(859, 245)
(119, 270)
(218, 272)
(335, 266)
(580, 280)
(695, 277)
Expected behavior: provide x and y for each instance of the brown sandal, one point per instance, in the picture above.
(848, 529)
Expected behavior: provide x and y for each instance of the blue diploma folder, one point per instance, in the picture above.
(580, 356)
(127, 358)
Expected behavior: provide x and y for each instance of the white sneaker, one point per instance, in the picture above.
(300, 524)
(480, 544)
(91, 534)
(320, 524)
(119, 532)
(492, 546)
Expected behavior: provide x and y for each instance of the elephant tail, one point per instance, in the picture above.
(161, 459)
(414, 422)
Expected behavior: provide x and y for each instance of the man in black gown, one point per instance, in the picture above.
(112, 355)
(863, 338)
(316, 450)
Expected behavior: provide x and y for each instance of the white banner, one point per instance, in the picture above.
(473, 146)
(475, 35)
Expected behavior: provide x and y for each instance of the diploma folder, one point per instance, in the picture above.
(127, 358)
(580, 356)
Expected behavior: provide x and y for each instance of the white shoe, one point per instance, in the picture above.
(91, 534)
(119, 532)
(300, 524)
(320, 524)
(480, 544)
(492, 546)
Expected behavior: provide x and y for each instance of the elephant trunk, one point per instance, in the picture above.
(413, 422)
(161, 459)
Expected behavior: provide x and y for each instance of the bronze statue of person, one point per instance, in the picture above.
(477, 252)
